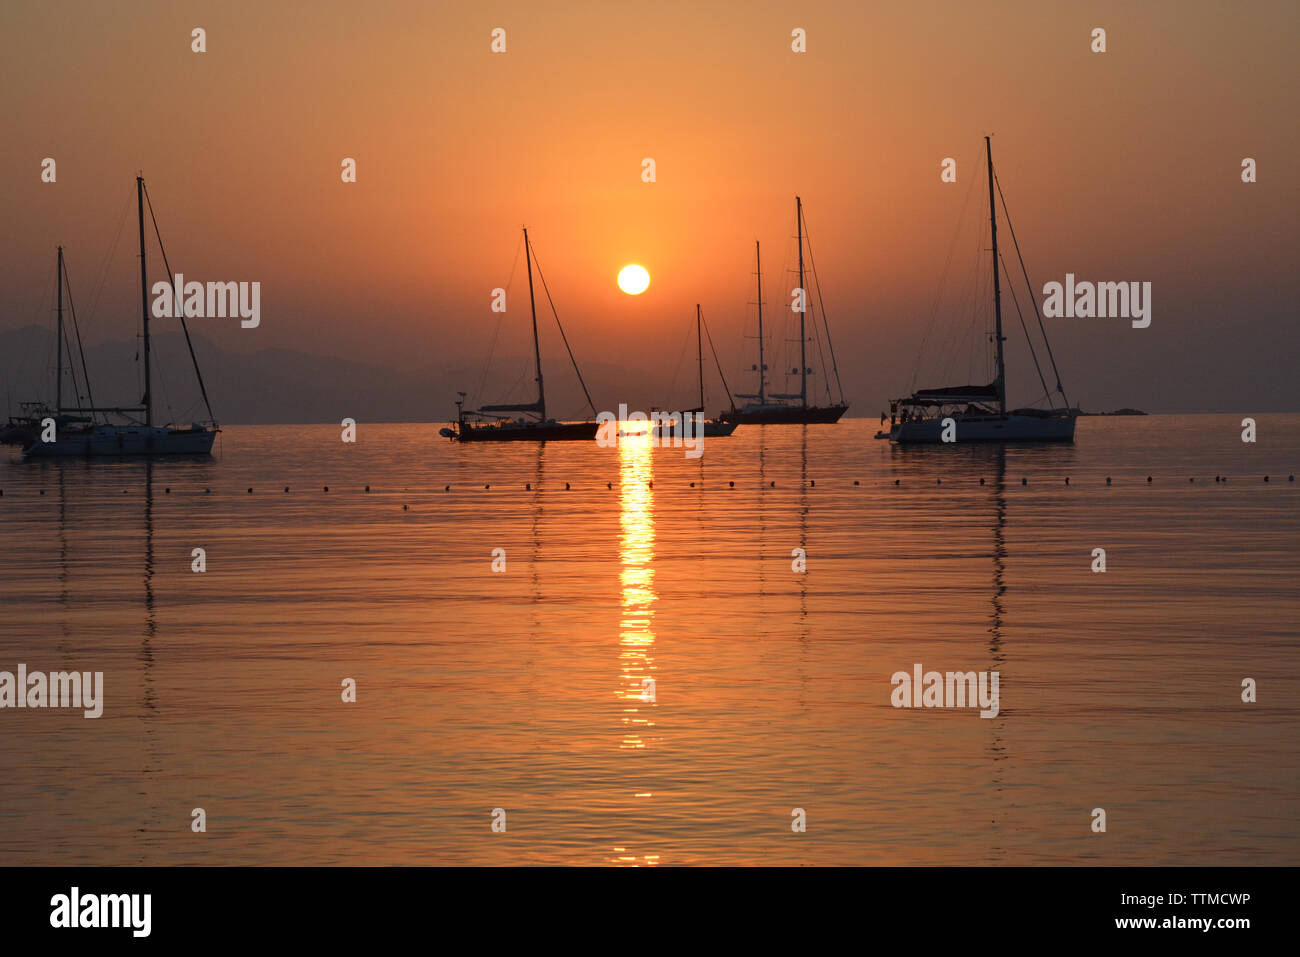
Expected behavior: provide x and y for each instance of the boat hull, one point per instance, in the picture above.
(986, 428)
(787, 415)
(538, 432)
(713, 428)
(115, 441)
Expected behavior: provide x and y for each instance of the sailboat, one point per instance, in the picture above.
(781, 408)
(487, 424)
(978, 413)
(20, 429)
(76, 431)
(711, 427)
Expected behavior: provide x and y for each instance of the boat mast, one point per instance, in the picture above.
(997, 292)
(699, 354)
(762, 368)
(144, 305)
(58, 376)
(803, 308)
(532, 304)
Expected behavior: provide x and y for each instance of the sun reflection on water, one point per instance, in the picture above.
(637, 580)
(636, 624)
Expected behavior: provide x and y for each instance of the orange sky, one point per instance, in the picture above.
(1118, 166)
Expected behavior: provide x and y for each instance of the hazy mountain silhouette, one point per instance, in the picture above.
(287, 386)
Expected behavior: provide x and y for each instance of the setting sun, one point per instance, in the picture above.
(633, 280)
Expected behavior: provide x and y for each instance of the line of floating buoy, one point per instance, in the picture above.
(812, 483)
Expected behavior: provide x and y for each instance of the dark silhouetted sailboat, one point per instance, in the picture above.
(711, 427)
(782, 408)
(489, 423)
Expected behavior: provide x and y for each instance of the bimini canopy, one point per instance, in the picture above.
(521, 407)
(954, 394)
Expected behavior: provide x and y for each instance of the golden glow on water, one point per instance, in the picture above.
(523, 690)
(637, 580)
(636, 640)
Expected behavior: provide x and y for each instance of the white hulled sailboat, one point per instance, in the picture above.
(979, 412)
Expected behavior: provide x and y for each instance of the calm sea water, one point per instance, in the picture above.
(522, 690)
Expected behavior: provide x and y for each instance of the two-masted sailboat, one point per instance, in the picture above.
(978, 413)
(790, 408)
(711, 428)
(89, 430)
(531, 424)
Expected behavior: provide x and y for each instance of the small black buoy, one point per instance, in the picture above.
(896, 481)
(405, 507)
(1265, 478)
(1107, 479)
(692, 485)
(327, 488)
(286, 488)
(981, 481)
(1289, 479)
(1024, 481)
(609, 485)
(731, 484)
(250, 490)
(1193, 479)
(650, 484)
(487, 486)
(446, 488)
(1148, 479)
(855, 481)
(167, 491)
(207, 491)
(938, 481)
(367, 488)
(1067, 480)
(528, 486)
(813, 483)
(43, 491)
(771, 485)
(566, 486)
